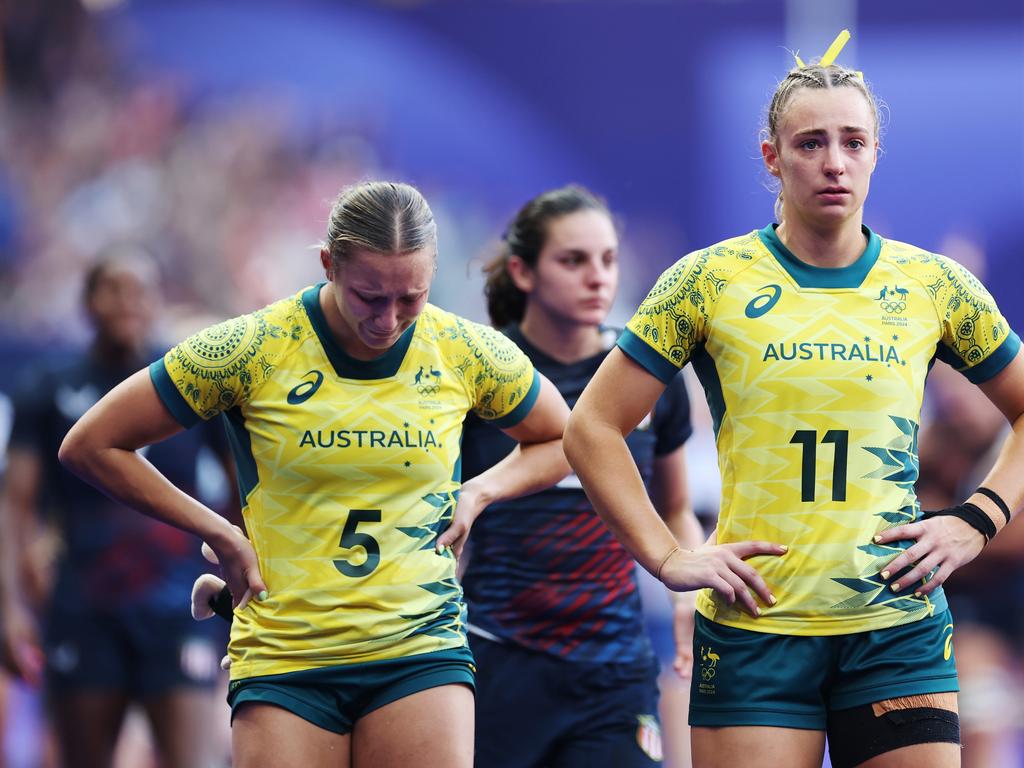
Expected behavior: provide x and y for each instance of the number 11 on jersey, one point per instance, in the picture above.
(808, 438)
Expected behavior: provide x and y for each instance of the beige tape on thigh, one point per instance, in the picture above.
(945, 701)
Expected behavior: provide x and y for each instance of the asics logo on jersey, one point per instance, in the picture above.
(947, 648)
(306, 389)
(763, 302)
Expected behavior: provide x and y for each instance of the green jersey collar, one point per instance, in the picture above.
(346, 366)
(810, 276)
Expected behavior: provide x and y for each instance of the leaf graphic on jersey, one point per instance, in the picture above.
(872, 590)
(899, 465)
(437, 521)
(443, 587)
(448, 624)
(868, 584)
(883, 553)
(899, 458)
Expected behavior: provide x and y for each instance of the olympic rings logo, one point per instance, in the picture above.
(894, 307)
(707, 672)
(428, 389)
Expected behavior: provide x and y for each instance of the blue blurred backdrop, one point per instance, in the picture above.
(215, 132)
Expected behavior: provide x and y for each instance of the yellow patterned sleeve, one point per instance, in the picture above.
(671, 322)
(976, 339)
(215, 369)
(501, 379)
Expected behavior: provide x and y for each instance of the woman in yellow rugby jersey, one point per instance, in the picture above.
(813, 338)
(344, 404)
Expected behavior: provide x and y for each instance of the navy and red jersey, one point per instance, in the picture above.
(544, 572)
(112, 558)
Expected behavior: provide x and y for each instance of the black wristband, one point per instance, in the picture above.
(970, 514)
(997, 499)
(221, 604)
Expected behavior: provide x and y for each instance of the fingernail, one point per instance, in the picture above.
(918, 594)
(896, 587)
(877, 539)
(885, 575)
(262, 595)
(784, 548)
(772, 600)
(757, 611)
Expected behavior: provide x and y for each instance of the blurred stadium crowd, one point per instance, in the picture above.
(229, 197)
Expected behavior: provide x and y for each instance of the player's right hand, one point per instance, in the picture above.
(20, 651)
(722, 568)
(238, 564)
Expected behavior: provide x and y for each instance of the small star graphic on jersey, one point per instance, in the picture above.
(867, 338)
(408, 463)
(869, 377)
(406, 425)
(431, 421)
(895, 337)
(903, 362)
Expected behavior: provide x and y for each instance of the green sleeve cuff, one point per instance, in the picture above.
(995, 362)
(644, 355)
(519, 413)
(171, 397)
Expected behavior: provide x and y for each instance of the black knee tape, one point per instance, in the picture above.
(857, 734)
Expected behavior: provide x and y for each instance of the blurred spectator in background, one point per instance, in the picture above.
(960, 436)
(115, 626)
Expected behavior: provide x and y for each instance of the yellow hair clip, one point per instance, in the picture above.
(829, 57)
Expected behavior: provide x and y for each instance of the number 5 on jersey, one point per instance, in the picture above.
(350, 538)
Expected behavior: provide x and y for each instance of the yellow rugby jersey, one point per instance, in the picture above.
(349, 470)
(815, 378)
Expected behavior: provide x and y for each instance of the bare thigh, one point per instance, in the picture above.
(265, 736)
(186, 725)
(756, 747)
(87, 725)
(428, 729)
(935, 755)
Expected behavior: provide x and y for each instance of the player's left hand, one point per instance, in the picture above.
(205, 589)
(467, 510)
(941, 544)
(211, 557)
(684, 606)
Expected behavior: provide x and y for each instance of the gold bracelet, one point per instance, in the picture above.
(665, 560)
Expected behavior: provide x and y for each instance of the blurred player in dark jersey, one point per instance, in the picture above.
(566, 674)
(115, 627)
